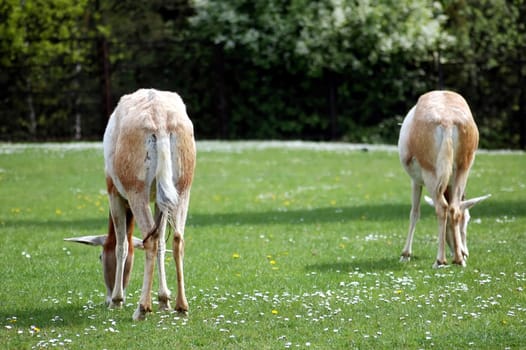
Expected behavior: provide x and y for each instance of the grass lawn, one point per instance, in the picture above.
(288, 245)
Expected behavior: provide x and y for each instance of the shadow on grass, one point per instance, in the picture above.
(44, 317)
(382, 212)
(492, 207)
(95, 225)
(62, 314)
(370, 212)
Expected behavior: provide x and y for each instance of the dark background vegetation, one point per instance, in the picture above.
(275, 69)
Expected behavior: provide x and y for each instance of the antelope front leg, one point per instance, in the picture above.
(118, 214)
(413, 218)
(458, 257)
(117, 297)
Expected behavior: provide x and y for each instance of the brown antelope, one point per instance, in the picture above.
(149, 153)
(437, 145)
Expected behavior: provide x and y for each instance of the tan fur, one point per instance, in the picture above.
(149, 142)
(442, 109)
(437, 145)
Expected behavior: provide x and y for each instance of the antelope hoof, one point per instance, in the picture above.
(440, 264)
(183, 310)
(140, 313)
(115, 303)
(164, 303)
(405, 258)
(461, 262)
(181, 305)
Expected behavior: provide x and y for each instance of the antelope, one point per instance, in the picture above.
(150, 155)
(437, 145)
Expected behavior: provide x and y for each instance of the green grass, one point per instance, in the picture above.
(285, 248)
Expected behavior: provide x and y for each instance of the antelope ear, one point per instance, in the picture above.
(89, 240)
(429, 201)
(471, 202)
(100, 240)
(137, 243)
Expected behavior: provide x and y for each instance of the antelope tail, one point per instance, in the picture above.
(444, 164)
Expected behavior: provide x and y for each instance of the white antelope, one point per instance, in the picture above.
(150, 154)
(437, 145)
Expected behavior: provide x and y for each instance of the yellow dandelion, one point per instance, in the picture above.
(275, 312)
(272, 262)
(236, 256)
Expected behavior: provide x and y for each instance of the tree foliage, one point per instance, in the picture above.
(332, 69)
(312, 36)
(43, 49)
(489, 66)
